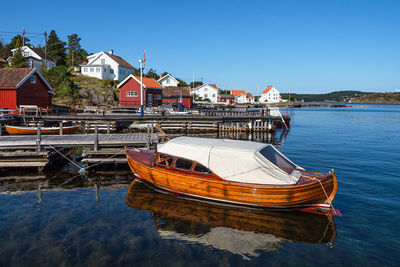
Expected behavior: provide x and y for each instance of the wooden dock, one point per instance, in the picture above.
(72, 140)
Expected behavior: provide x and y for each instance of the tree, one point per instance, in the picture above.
(195, 84)
(76, 55)
(152, 74)
(18, 61)
(225, 92)
(60, 78)
(181, 83)
(4, 52)
(56, 49)
(14, 40)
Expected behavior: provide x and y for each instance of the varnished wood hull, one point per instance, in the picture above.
(18, 130)
(307, 193)
(294, 226)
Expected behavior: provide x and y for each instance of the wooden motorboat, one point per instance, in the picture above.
(44, 130)
(170, 209)
(232, 171)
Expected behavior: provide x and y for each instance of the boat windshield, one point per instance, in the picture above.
(270, 153)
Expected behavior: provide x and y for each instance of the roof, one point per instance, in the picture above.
(214, 85)
(120, 60)
(232, 160)
(13, 78)
(147, 82)
(168, 75)
(176, 91)
(238, 92)
(267, 89)
(40, 53)
(226, 96)
(211, 85)
(249, 95)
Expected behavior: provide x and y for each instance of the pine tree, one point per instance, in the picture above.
(18, 61)
(56, 49)
(76, 55)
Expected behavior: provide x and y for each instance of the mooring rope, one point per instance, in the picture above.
(327, 197)
(63, 156)
(98, 163)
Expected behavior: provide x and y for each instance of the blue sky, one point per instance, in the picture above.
(310, 46)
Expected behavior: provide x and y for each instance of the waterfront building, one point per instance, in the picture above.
(130, 92)
(240, 96)
(227, 99)
(250, 98)
(24, 86)
(209, 91)
(168, 80)
(107, 66)
(34, 57)
(270, 95)
(173, 94)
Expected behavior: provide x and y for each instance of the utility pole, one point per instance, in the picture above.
(45, 49)
(193, 81)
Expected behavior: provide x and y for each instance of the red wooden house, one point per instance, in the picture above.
(130, 92)
(173, 94)
(24, 86)
(227, 99)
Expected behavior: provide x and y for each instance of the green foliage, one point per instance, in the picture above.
(60, 78)
(196, 84)
(18, 61)
(224, 92)
(13, 43)
(152, 74)
(56, 49)
(76, 55)
(4, 52)
(338, 96)
(181, 83)
(286, 96)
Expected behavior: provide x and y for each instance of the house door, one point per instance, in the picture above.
(150, 100)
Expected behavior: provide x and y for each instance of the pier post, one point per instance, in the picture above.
(38, 138)
(108, 127)
(61, 128)
(96, 138)
(1, 129)
(148, 137)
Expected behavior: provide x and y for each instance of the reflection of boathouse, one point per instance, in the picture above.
(238, 230)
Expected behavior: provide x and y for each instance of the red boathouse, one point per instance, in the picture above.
(172, 94)
(129, 92)
(24, 86)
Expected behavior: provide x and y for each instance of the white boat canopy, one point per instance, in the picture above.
(238, 161)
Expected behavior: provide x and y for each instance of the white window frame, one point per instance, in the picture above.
(33, 79)
(131, 94)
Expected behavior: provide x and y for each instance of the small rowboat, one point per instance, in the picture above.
(44, 130)
(231, 171)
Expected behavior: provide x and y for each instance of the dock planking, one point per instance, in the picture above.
(79, 140)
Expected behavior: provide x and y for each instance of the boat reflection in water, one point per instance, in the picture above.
(239, 230)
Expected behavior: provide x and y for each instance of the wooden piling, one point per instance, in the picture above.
(38, 138)
(96, 139)
(61, 128)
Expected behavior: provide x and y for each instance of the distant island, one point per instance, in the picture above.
(347, 97)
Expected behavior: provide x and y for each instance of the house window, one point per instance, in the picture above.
(213, 95)
(205, 89)
(131, 93)
(158, 97)
(111, 71)
(103, 61)
(205, 95)
(84, 69)
(33, 79)
(167, 80)
(91, 69)
(97, 69)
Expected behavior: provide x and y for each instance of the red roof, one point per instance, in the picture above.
(12, 77)
(238, 92)
(250, 96)
(267, 89)
(150, 82)
(120, 61)
(214, 85)
(176, 91)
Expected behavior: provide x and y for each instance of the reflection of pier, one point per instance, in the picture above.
(190, 220)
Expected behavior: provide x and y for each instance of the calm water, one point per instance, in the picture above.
(95, 222)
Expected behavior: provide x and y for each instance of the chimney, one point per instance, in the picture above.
(111, 52)
(160, 76)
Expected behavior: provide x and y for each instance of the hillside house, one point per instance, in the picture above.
(24, 86)
(107, 66)
(250, 98)
(209, 91)
(168, 80)
(173, 94)
(130, 92)
(270, 95)
(35, 58)
(227, 99)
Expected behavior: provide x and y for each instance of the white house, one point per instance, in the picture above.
(209, 91)
(270, 95)
(250, 98)
(168, 80)
(35, 58)
(240, 96)
(107, 66)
